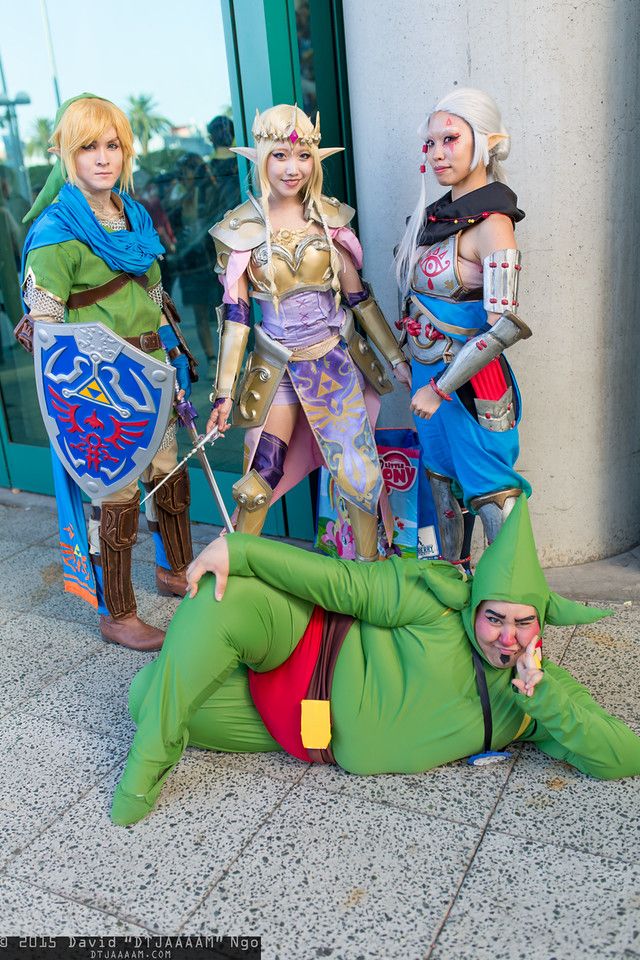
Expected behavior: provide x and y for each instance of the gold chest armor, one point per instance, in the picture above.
(301, 261)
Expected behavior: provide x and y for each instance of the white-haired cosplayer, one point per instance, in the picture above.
(302, 394)
(458, 268)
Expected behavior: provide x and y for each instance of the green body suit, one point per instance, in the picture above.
(404, 696)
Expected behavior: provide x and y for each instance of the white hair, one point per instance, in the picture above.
(480, 111)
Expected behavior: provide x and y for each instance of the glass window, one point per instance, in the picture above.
(306, 56)
(169, 73)
(321, 85)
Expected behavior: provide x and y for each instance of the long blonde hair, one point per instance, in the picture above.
(269, 129)
(83, 122)
(481, 113)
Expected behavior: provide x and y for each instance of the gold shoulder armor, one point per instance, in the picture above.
(336, 214)
(240, 229)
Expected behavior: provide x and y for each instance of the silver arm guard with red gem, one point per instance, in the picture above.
(481, 349)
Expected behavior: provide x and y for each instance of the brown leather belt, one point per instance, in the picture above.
(335, 627)
(88, 297)
(147, 342)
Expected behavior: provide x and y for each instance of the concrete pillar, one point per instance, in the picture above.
(565, 75)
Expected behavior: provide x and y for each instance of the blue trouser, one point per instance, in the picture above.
(453, 442)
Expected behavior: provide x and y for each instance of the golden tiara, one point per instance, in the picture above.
(287, 131)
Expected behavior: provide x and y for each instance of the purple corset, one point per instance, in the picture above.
(303, 318)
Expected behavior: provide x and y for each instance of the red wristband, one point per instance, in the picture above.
(436, 389)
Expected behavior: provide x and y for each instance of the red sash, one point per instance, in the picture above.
(278, 693)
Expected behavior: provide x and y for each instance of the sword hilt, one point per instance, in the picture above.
(187, 413)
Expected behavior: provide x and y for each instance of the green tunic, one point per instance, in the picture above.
(71, 267)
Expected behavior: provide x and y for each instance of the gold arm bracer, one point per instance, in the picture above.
(372, 320)
(233, 342)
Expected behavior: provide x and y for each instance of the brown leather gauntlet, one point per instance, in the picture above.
(172, 317)
(23, 333)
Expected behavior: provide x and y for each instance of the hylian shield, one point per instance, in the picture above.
(105, 404)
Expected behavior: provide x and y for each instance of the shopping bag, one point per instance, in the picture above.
(409, 500)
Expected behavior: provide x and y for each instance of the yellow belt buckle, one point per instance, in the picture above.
(315, 724)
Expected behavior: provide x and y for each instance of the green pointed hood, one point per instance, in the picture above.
(509, 570)
(56, 179)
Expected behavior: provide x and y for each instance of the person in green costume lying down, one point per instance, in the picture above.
(406, 688)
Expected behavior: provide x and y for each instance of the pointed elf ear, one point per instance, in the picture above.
(495, 138)
(324, 152)
(562, 612)
(249, 152)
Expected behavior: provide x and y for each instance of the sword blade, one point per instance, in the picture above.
(208, 437)
(211, 480)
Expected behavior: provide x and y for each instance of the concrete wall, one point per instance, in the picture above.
(566, 76)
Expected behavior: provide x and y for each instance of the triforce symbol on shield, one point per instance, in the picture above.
(105, 403)
(94, 391)
(92, 387)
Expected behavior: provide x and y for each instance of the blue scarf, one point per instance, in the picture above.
(71, 218)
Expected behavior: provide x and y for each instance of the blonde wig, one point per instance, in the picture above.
(274, 127)
(83, 122)
(481, 113)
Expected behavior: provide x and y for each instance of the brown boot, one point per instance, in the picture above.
(172, 507)
(131, 632)
(118, 531)
(171, 584)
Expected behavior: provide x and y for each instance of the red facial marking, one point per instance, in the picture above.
(449, 122)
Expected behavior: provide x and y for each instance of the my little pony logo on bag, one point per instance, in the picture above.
(397, 470)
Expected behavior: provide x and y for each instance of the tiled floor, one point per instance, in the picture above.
(527, 859)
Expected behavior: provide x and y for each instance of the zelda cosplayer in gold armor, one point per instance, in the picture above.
(310, 387)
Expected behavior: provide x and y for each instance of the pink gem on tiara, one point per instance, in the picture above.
(293, 136)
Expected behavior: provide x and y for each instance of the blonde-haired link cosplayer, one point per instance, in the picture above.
(83, 122)
(287, 124)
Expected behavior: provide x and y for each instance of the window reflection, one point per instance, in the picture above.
(305, 52)
(175, 91)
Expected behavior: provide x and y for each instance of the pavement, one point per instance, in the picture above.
(524, 859)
